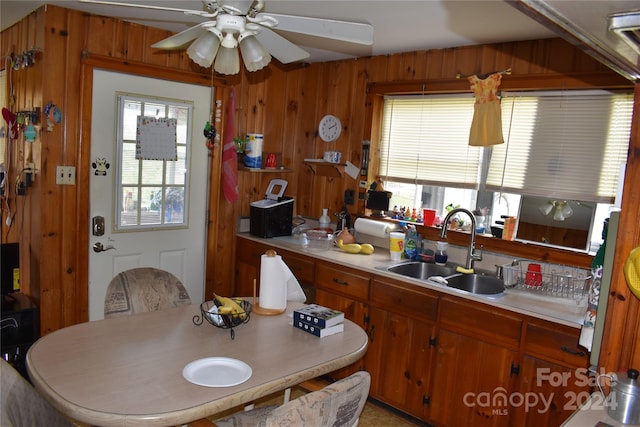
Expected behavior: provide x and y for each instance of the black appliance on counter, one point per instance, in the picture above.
(272, 216)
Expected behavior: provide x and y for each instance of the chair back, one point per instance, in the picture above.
(143, 289)
(339, 404)
(22, 406)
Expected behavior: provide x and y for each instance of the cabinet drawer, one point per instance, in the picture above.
(341, 280)
(302, 268)
(399, 299)
(555, 343)
(479, 321)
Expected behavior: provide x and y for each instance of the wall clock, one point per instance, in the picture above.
(329, 128)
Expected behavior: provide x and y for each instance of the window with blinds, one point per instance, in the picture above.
(425, 141)
(567, 145)
(561, 145)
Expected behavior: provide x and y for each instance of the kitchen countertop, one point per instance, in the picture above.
(559, 310)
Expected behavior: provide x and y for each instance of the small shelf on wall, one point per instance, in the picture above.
(243, 168)
(322, 168)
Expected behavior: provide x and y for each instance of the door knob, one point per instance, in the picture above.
(99, 247)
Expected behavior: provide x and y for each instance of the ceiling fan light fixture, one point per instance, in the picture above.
(254, 55)
(227, 61)
(566, 210)
(204, 49)
(546, 208)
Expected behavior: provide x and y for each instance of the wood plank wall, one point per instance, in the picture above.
(283, 103)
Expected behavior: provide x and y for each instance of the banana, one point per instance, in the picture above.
(229, 306)
(366, 249)
(352, 248)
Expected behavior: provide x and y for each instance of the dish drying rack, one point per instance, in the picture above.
(553, 280)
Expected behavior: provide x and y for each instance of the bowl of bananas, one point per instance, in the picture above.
(224, 312)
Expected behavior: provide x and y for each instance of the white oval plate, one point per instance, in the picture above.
(217, 372)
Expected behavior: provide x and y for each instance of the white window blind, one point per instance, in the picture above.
(425, 141)
(562, 145)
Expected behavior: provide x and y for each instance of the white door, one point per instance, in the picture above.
(180, 250)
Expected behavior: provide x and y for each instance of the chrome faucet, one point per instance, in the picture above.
(472, 254)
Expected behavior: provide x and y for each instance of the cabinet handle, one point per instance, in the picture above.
(371, 332)
(340, 282)
(574, 352)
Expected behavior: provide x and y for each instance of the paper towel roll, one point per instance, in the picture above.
(253, 150)
(373, 228)
(273, 283)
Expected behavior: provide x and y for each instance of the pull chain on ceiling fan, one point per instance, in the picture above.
(240, 25)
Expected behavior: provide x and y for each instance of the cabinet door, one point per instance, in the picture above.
(355, 311)
(303, 269)
(399, 358)
(471, 382)
(551, 393)
(248, 255)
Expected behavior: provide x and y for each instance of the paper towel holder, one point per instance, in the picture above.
(256, 306)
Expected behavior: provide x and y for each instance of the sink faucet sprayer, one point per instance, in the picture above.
(472, 254)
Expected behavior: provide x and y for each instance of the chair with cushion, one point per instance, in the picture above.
(22, 405)
(143, 289)
(339, 405)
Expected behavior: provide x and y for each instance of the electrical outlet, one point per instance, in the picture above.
(66, 175)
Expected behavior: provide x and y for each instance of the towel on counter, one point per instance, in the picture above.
(586, 334)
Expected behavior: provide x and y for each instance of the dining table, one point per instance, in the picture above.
(134, 370)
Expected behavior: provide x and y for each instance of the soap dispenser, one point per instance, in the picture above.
(441, 253)
(324, 221)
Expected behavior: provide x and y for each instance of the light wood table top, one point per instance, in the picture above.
(127, 371)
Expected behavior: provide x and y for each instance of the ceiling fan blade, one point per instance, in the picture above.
(145, 6)
(352, 32)
(177, 41)
(280, 48)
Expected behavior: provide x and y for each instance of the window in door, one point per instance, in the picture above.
(151, 194)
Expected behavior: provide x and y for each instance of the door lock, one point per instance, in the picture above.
(98, 226)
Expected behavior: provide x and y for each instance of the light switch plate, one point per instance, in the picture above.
(66, 175)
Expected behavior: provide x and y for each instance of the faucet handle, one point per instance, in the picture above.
(477, 256)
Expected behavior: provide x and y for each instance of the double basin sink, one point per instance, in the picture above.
(473, 283)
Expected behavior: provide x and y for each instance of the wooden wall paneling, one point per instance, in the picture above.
(135, 42)
(621, 336)
(467, 60)
(434, 65)
(377, 68)
(276, 95)
(53, 261)
(104, 37)
(150, 36)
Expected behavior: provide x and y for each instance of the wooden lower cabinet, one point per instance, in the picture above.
(475, 364)
(470, 379)
(446, 360)
(553, 376)
(401, 335)
(346, 290)
(549, 393)
(400, 354)
(249, 254)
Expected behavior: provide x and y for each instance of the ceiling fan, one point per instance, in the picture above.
(241, 24)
